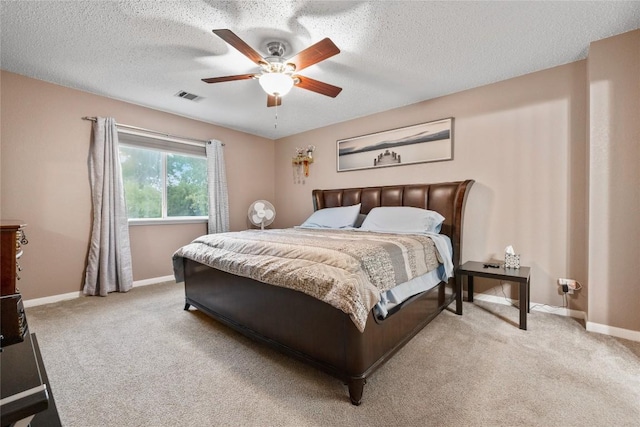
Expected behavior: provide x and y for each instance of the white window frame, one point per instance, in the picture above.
(149, 145)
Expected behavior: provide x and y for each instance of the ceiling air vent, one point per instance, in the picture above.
(189, 96)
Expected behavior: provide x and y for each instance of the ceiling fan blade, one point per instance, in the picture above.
(313, 54)
(235, 41)
(228, 78)
(318, 86)
(272, 101)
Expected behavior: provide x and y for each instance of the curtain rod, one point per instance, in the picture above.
(202, 141)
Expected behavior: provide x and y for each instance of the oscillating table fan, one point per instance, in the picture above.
(261, 213)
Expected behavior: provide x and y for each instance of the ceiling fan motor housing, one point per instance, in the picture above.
(276, 49)
(275, 61)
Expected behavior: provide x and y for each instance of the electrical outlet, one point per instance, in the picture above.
(569, 285)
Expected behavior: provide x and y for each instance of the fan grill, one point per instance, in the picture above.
(261, 213)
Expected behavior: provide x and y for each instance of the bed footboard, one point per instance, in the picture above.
(306, 328)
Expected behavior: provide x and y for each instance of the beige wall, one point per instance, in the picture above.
(44, 180)
(554, 155)
(614, 172)
(524, 142)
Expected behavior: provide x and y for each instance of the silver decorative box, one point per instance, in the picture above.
(511, 260)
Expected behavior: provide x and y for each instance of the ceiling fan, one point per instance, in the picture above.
(278, 75)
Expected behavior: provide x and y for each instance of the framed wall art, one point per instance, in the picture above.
(426, 142)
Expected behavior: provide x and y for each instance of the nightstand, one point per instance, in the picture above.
(473, 269)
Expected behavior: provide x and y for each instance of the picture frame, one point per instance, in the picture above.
(421, 143)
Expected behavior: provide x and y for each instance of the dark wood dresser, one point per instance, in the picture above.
(26, 398)
(13, 239)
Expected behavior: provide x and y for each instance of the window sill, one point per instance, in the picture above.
(168, 221)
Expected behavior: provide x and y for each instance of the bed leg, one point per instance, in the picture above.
(356, 386)
(186, 306)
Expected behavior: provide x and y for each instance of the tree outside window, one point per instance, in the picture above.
(186, 186)
(160, 185)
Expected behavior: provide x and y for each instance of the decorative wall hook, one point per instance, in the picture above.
(301, 162)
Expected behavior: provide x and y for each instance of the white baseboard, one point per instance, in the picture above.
(53, 298)
(153, 281)
(72, 295)
(561, 311)
(627, 334)
(543, 308)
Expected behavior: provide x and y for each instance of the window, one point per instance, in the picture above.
(162, 185)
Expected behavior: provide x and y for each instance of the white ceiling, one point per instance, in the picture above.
(393, 53)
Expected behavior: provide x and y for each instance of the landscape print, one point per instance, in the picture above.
(426, 142)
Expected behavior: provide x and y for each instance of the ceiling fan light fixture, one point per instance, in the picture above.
(276, 84)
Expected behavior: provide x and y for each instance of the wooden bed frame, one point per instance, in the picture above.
(315, 332)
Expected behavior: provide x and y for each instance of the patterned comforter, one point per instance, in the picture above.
(345, 268)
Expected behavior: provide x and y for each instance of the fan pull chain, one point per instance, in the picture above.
(275, 126)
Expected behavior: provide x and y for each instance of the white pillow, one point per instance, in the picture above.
(340, 217)
(402, 219)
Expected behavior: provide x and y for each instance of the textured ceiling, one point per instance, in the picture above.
(393, 53)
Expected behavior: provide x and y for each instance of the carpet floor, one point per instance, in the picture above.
(139, 359)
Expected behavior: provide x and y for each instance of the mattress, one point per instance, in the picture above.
(404, 291)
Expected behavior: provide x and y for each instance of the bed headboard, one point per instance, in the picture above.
(447, 198)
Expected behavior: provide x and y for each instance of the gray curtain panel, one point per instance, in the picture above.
(109, 260)
(217, 183)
